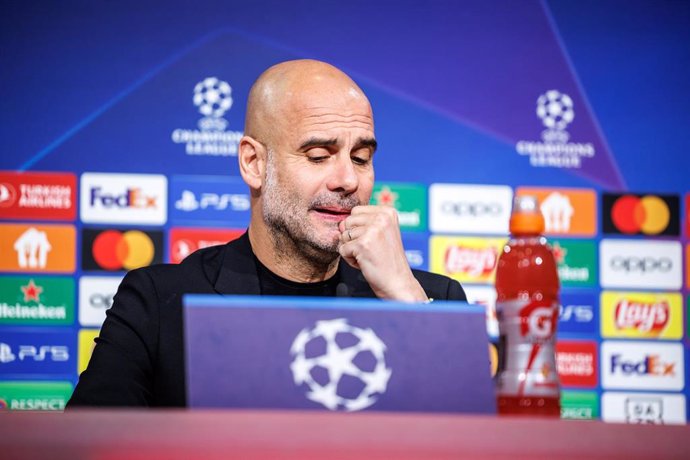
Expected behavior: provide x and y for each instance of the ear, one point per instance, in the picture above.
(251, 155)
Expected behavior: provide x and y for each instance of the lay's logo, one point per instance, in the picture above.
(641, 315)
(466, 259)
(645, 317)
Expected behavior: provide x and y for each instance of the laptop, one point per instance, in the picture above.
(338, 354)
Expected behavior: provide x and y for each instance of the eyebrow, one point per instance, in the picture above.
(321, 142)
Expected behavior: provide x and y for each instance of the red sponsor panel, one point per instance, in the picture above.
(38, 196)
(577, 363)
(184, 241)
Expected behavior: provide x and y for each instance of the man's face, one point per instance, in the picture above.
(321, 167)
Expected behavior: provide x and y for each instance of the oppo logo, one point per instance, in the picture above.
(98, 300)
(641, 264)
(473, 209)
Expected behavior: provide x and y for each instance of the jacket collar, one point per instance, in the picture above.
(238, 272)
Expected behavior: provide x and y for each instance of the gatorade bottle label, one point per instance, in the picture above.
(527, 365)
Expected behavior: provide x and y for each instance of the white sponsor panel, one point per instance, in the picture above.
(640, 264)
(645, 408)
(95, 297)
(642, 366)
(485, 296)
(482, 209)
(124, 198)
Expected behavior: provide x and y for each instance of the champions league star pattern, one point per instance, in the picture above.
(118, 155)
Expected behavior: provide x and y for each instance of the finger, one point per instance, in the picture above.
(361, 220)
(350, 234)
(347, 252)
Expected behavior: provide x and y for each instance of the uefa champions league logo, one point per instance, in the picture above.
(333, 353)
(556, 111)
(213, 98)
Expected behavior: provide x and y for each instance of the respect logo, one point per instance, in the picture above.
(641, 315)
(632, 214)
(466, 259)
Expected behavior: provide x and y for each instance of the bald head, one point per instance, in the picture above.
(285, 90)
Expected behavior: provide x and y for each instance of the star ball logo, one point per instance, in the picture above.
(212, 97)
(120, 250)
(556, 110)
(342, 366)
(636, 214)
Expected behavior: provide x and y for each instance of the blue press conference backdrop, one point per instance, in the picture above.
(557, 95)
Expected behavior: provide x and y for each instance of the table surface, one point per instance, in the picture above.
(185, 434)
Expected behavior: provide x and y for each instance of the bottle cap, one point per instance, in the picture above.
(526, 218)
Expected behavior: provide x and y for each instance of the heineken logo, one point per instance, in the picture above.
(36, 300)
(576, 262)
(408, 199)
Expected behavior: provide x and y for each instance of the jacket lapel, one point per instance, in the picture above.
(238, 273)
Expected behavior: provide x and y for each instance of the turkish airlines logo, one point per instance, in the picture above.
(40, 196)
(124, 198)
(120, 250)
(641, 264)
(577, 363)
(631, 214)
(470, 208)
(8, 195)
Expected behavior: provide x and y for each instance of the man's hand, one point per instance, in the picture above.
(371, 243)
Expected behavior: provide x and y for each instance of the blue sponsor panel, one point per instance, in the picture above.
(416, 250)
(579, 314)
(35, 352)
(209, 199)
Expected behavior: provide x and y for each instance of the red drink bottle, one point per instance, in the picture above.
(527, 309)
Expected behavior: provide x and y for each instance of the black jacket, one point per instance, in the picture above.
(138, 358)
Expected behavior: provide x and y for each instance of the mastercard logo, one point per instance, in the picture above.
(641, 214)
(115, 250)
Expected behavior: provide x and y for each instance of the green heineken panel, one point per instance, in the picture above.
(409, 200)
(577, 262)
(36, 300)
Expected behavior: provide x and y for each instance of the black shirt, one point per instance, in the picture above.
(272, 284)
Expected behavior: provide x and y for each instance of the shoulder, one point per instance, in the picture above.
(439, 286)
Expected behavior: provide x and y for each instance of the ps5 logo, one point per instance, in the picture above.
(30, 352)
(236, 201)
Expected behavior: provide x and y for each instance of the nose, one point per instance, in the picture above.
(343, 177)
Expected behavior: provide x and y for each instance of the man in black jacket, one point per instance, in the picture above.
(307, 158)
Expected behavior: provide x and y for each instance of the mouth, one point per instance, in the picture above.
(332, 213)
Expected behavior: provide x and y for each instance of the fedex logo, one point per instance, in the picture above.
(651, 364)
(131, 198)
(642, 366)
(124, 198)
